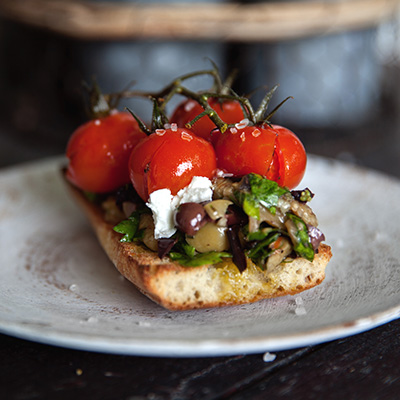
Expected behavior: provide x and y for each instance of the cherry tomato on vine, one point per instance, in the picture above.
(170, 158)
(272, 151)
(229, 111)
(99, 150)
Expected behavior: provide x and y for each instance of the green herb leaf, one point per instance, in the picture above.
(187, 255)
(251, 206)
(265, 191)
(212, 257)
(130, 228)
(260, 234)
(303, 246)
(261, 251)
(262, 191)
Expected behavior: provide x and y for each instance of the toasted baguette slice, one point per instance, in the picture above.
(176, 287)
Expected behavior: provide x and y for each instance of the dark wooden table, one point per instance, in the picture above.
(365, 366)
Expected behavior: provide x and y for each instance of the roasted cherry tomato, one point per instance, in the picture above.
(229, 111)
(272, 151)
(170, 158)
(99, 150)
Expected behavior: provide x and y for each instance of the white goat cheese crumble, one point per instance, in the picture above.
(163, 205)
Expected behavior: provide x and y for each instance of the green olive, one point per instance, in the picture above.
(217, 209)
(146, 222)
(210, 237)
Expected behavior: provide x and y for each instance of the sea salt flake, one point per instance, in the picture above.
(174, 127)
(73, 287)
(233, 131)
(243, 137)
(269, 357)
(256, 133)
(186, 136)
(242, 124)
(160, 132)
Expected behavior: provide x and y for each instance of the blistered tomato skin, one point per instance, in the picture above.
(242, 151)
(169, 159)
(272, 151)
(291, 158)
(229, 111)
(99, 150)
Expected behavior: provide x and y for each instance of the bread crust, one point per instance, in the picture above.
(176, 287)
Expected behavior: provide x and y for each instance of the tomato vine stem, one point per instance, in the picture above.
(221, 90)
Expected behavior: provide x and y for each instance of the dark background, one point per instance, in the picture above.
(345, 86)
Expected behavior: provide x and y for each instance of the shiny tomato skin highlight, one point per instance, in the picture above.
(272, 151)
(170, 158)
(99, 150)
(229, 111)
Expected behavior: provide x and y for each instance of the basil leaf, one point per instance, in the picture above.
(262, 191)
(189, 250)
(260, 234)
(187, 255)
(199, 259)
(130, 227)
(265, 191)
(261, 251)
(250, 206)
(303, 246)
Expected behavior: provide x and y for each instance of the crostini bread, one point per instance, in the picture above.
(177, 287)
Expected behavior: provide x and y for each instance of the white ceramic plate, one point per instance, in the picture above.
(58, 287)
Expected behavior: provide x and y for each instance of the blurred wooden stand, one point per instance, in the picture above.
(89, 20)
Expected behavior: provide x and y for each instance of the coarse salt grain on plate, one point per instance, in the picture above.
(300, 311)
(269, 357)
(299, 301)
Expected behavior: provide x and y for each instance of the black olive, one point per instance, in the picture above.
(164, 246)
(190, 217)
(316, 236)
(238, 256)
(236, 216)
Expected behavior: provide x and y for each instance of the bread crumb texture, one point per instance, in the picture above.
(183, 288)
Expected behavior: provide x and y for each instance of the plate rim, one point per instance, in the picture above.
(206, 348)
